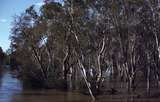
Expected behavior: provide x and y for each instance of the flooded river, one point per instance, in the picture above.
(11, 90)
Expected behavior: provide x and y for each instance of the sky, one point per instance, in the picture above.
(8, 9)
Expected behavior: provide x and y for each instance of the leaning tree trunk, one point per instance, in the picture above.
(85, 79)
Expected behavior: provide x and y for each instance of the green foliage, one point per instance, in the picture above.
(121, 36)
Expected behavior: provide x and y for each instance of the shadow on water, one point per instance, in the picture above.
(49, 96)
(11, 91)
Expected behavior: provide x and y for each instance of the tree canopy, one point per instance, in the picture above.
(121, 36)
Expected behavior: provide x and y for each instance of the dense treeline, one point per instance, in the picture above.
(85, 39)
(3, 60)
(3, 57)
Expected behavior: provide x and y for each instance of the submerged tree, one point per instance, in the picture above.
(77, 40)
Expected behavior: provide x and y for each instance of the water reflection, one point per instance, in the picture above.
(0, 77)
(49, 96)
(11, 91)
(9, 87)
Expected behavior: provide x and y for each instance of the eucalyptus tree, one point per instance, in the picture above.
(89, 37)
(149, 24)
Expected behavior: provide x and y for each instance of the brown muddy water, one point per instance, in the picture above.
(11, 90)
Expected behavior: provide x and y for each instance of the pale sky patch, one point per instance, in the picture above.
(39, 4)
(3, 20)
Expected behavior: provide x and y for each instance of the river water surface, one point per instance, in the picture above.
(11, 90)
